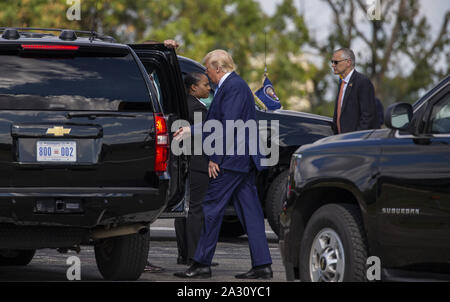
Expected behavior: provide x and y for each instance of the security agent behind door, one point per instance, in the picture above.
(355, 107)
(233, 176)
(188, 229)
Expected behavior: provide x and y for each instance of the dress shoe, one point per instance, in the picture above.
(257, 273)
(195, 271)
(151, 268)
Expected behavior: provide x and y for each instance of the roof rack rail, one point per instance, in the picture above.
(92, 34)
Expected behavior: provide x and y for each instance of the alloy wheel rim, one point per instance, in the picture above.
(327, 258)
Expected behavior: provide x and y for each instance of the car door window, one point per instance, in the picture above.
(440, 116)
(72, 83)
(156, 87)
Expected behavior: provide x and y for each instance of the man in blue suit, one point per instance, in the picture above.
(232, 176)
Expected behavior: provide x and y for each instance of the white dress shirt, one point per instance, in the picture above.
(225, 76)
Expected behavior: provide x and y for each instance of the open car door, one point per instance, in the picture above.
(166, 80)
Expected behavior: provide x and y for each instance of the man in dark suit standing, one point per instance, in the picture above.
(232, 176)
(355, 107)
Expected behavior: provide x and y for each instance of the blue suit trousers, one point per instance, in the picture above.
(240, 188)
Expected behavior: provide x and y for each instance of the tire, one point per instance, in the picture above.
(334, 234)
(123, 257)
(231, 227)
(274, 201)
(16, 257)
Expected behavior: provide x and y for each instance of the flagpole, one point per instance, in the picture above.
(265, 52)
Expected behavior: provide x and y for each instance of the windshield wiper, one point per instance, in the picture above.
(93, 116)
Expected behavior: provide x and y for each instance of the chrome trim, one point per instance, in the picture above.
(426, 100)
(327, 257)
(397, 135)
(75, 191)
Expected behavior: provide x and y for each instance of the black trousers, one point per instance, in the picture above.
(188, 229)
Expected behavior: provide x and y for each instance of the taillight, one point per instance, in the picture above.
(49, 47)
(161, 143)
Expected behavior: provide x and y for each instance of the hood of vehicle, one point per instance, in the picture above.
(351, 136)
(302, 114)
(347, 139)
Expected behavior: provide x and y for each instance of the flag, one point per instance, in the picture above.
(267, 95)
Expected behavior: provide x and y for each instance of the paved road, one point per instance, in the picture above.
(232, 255)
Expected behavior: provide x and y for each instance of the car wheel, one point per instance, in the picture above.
(274, 201)
(333, 247)
(16, 257)
(122, 257)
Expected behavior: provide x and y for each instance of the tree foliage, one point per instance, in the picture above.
(239, 26)
(397, 54)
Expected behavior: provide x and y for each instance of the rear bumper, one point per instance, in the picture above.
(80, 207)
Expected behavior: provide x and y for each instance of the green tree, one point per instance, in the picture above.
(200, 26)
(126, 20)
(398, 52)
(241, 27)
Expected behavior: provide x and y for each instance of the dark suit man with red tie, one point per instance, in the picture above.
(232, 176)
(355, 107)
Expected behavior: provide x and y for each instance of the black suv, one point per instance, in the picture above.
(383, 193)
(84, 145)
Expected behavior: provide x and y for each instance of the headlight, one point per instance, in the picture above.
(296, 173)
(293, 171)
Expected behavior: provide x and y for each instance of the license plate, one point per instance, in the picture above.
(54, 151)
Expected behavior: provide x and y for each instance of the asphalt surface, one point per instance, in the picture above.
(232, 255)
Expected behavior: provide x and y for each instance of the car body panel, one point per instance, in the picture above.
(112, 180)
(164, 63)
(400, 181)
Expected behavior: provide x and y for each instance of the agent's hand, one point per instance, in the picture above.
(213, 169)
(182, 133)
(171, 44)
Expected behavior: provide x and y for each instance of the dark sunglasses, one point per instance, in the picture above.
(333, 62)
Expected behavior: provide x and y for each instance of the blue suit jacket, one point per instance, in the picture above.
(234, 101)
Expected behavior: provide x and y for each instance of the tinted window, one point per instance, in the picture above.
(440, 116)
(155, 87)
(72, 83)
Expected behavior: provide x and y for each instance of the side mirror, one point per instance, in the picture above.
(398, 116)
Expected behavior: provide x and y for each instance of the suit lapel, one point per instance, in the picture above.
(348, 91)
(219, 90)
(218, 96)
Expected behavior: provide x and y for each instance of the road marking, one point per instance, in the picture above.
(173, 229)
(162, 229)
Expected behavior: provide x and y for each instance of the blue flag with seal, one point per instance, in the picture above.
(267, 95)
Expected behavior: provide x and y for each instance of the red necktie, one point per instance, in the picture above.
(339, 106)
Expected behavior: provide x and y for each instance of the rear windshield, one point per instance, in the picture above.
(72, 83)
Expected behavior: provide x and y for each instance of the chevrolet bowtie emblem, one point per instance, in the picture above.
(58, 131)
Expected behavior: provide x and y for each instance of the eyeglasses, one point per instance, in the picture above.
(334, 62)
